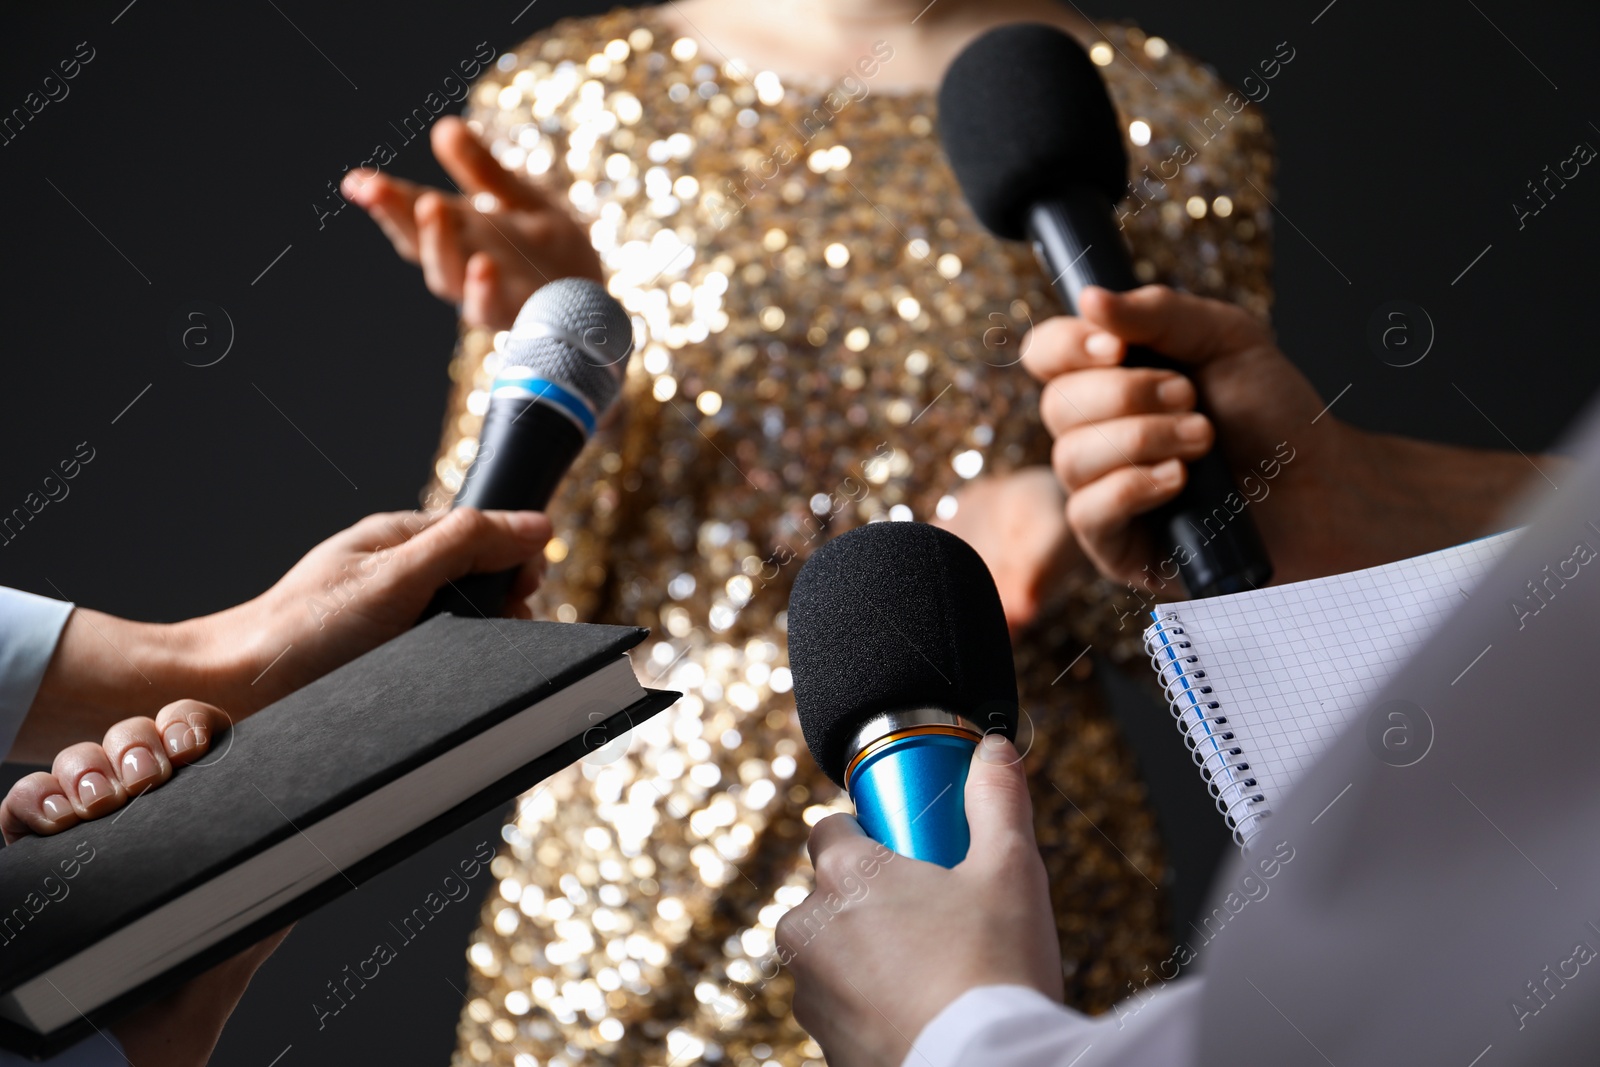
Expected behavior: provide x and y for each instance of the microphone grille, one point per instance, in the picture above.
(573, 332)
(1024, 114)
(896, 616)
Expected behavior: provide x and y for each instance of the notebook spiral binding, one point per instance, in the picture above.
(1203, 722)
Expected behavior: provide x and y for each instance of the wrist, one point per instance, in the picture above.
(117, 667)
(215, 668)
(228, 658)
(104, 669)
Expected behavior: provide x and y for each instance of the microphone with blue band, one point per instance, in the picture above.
(522, 383)
(902, 663)
(561, 369)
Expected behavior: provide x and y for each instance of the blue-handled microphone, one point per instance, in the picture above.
(901, 663)
(561, 369)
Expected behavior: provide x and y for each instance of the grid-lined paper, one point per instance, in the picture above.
(1291, 666)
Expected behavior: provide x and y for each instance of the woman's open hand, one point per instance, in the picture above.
(488, 245)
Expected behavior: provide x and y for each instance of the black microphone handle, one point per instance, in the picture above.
(1217, 548)
(524, 449)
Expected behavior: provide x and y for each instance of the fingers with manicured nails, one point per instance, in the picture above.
(88, 780)
(137, 751)
(37, 804)
(391, 202)
(1102, 393)
(1101, 513)
(1083, 454)
(999, 811)
(186, 728)
(1183, 326)
(474, 168)
(439, 245)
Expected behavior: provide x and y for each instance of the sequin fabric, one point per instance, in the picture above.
(828, 338)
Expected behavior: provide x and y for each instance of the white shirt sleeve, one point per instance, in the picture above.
(30, 627)
(1014, 1026)
(1431, 905)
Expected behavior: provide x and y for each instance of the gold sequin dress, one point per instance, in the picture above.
(828, 338)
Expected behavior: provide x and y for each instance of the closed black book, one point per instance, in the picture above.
(297, 804)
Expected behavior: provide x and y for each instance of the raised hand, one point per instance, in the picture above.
(487, 244)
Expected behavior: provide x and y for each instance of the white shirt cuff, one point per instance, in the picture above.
(30, 627)
(1015, 1026)
(977, 1013)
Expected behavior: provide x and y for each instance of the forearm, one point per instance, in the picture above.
(359, 588)
(1422, 496)
(1350, 499)
(106, 669)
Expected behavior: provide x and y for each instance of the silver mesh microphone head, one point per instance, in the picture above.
(572, 332)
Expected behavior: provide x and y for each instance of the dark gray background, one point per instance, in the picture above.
(200, 136)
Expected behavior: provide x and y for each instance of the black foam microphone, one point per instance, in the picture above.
(901, 663)
(561, 370)
(1034, 141)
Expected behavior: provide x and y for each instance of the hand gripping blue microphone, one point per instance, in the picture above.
(901, 663)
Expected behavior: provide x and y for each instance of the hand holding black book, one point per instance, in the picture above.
(299, 803)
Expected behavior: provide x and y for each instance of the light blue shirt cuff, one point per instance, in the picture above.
(30, 627)
(97, 1050)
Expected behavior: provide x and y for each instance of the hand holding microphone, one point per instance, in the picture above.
(902, 664)
(885, 943)
(908, 698)
(1307, 479)
(1034, 141)
(562, 370)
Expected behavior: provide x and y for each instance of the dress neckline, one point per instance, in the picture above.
(799, 86)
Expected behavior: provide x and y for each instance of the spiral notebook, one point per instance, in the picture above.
(1260, 683)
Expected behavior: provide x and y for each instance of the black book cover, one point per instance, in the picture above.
(283, 769)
